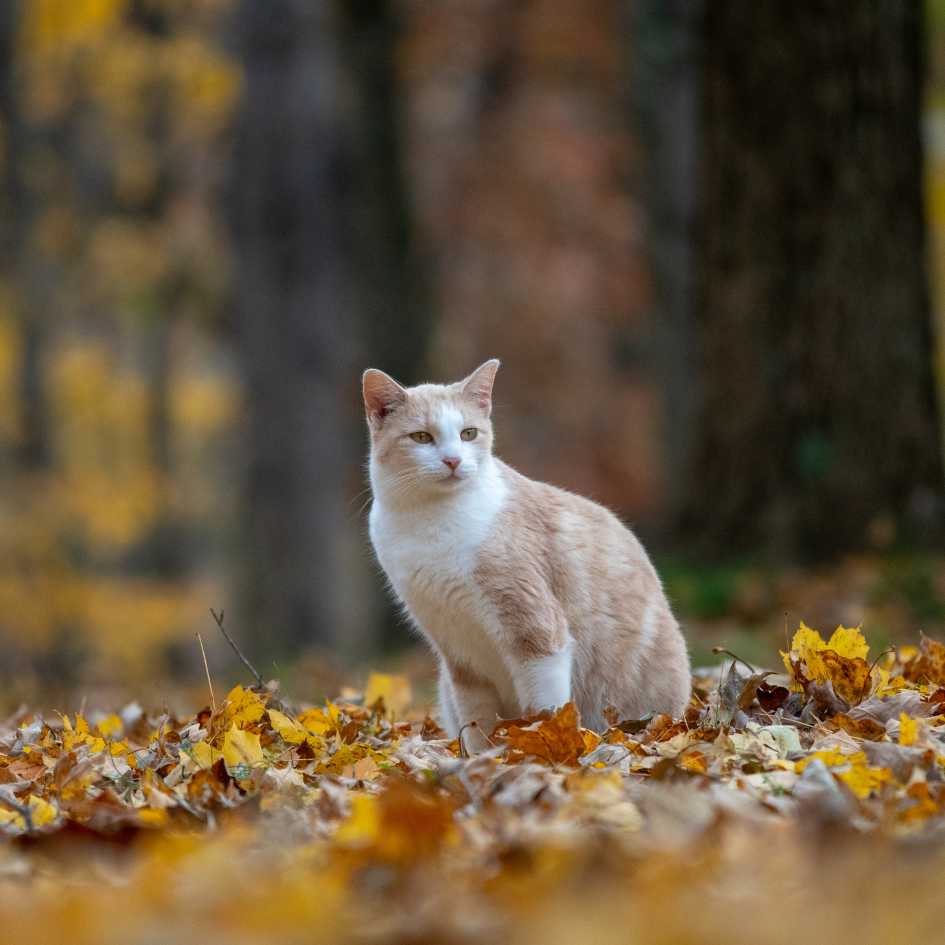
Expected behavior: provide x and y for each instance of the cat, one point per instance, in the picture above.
(529, 595)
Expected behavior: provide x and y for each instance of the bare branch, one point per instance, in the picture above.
(219, 622)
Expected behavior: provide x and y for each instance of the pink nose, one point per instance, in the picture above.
(452, 462)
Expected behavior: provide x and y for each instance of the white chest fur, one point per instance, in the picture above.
(429, 550)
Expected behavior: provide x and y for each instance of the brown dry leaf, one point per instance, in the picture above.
(404, 824)
(750, 689)
(866, 728)
(771, 698)
(850, 676)
(555, 740)
(928, 665)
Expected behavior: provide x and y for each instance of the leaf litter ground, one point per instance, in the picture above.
(806, 804)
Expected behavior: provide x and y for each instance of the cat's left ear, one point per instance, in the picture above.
(478, 386)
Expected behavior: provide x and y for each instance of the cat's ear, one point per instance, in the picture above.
(382, 394)
(478, 386)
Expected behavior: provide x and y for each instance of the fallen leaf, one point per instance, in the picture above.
(241, 747)
(393, 690)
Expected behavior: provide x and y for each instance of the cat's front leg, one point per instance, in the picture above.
(544, 682)
(471, 703)
(449, 714)
(531, 632)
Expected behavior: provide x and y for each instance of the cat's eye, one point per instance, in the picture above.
(421, 436)
(470, 433)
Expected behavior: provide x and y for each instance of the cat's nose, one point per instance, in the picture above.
(452, 462)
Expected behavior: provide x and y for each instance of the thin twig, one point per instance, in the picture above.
(22, 809)
(738, 659)
(869, 675)
(219, 621)
(203, 653)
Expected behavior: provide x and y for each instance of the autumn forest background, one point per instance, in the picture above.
(707, 240)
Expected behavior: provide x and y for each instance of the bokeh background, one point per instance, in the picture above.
(707, 240)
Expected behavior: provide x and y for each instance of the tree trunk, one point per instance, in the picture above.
(818, 430)
(26, 275)
(396, 317)
(661, 44)
(292, 202)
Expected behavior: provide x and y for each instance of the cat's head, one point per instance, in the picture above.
(429, 439)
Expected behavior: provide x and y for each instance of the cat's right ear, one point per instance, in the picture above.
(382, 395)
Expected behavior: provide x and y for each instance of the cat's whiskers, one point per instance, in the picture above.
(396, 486)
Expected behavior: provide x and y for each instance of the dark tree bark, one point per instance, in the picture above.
(662, 69)
(396, 315)
(34, 452)
(818, 428)
(294, 306)
(323, 284)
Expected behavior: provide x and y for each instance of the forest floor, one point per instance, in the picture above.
(804, 805)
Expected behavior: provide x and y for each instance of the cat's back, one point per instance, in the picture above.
(571, 538)
(548, 539)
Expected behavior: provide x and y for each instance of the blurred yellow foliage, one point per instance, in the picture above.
(394, 690)
(53, 24)
(9, 359)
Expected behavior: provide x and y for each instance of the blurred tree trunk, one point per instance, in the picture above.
(818, 429)
(663, 71)
(21, 272)
(396, 316)
(294, 307)
(322, 283)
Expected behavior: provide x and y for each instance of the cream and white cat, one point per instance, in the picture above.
(530, 596)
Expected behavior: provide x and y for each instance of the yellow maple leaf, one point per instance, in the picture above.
(848, 642)
(152, 816)
(888, 684)
(241, 748)
(855, 773)
(243, 706)
(347, 756)
(394, 690)
(841, 661)
(204, 754)
(361, 827)
(41, 811)
(693, 761)
(316, 721)
(805, 646)
(831, 758)
(863, 780)
(289, 730)
(79, 734)
(95, 743)
(110, 725)
(908, 729)
(907, 652)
